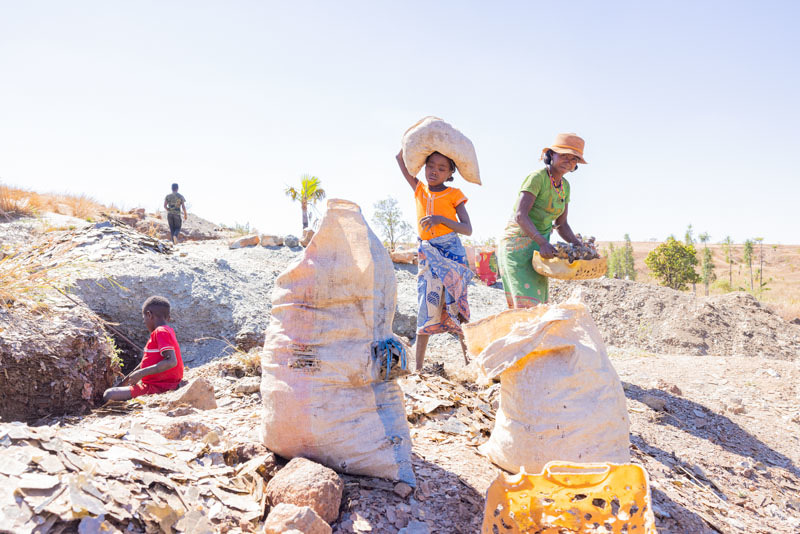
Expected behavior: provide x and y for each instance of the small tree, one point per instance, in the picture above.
(628, 268)
(708, 268)
(612, 262)
(708, 262)
(689, 237)
(309, 193)
(748, 258)
(727, 248)
(619, 261)
(760, 241)
(389, 219)
(672, 264)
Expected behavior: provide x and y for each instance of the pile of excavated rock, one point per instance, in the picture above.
(105, 240)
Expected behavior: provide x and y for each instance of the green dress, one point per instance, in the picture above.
(523, 286)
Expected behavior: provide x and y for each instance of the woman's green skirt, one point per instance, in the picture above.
(524, 287)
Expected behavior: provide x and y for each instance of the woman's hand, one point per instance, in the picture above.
(547, 251)
(429, 221)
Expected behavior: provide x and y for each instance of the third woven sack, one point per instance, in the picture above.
(560, 397)
(329, 356)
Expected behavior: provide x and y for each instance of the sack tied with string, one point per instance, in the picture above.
(330, 356)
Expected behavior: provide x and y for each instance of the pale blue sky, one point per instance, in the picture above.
(689, 109)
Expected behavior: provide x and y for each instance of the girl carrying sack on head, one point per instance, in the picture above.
(443, 271)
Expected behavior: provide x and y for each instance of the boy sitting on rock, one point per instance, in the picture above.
(162, 367)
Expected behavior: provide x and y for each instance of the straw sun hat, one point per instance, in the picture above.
(567, 143)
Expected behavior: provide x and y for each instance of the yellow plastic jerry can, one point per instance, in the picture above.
(571, 497)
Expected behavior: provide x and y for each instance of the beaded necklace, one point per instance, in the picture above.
(560, 189)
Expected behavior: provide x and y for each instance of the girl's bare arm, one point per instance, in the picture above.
(412, 180)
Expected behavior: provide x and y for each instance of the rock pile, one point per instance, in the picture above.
(104, 241)
(659, 319)
(265, 240)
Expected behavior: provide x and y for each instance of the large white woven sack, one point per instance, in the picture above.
(323, 395)
(560, 397)
(432, 134)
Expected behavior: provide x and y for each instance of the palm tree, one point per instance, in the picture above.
(309, 192)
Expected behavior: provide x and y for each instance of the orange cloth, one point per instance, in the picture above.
(436, 203)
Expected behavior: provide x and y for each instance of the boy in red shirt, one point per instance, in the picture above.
(162, 367)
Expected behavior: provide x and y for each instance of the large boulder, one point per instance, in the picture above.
(308, 234)
(54, 364)
(198, 394)
(271, 240)
(306, 483)
(245, 241)
(408, 256)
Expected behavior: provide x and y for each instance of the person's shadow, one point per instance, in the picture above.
(730, 437)
(442, 500)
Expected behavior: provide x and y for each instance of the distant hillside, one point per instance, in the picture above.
(781, 270)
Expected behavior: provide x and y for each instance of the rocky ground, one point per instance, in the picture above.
(711, 387)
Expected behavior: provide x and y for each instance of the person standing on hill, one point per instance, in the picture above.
(173, 204)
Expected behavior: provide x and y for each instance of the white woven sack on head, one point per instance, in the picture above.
(432, 134)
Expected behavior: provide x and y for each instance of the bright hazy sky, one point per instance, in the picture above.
(689, 109)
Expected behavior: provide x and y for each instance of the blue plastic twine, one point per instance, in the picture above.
(386, 347)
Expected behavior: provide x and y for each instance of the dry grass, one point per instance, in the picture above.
(18, 203)
(26, 276)
(250, 362)
(15, 202)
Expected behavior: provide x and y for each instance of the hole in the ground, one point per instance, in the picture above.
(129, 354)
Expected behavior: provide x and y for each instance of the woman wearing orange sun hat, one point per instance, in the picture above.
(542, 204)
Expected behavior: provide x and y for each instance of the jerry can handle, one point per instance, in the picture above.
(580, 470)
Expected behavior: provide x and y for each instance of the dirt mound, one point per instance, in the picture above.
(194, 228)
(56, 363)
(661, 320)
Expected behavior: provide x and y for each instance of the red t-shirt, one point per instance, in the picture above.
(161, 339)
